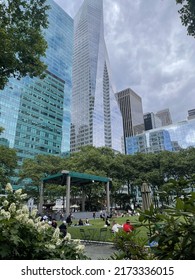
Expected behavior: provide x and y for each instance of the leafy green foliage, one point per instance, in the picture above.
(24, 237)
(22, 43)
(187, 15)
(173, 229)
(8, 162)
(131, 246)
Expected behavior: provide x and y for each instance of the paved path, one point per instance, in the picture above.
(99, 251)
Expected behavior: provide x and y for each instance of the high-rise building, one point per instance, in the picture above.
(151, 121)
(36, 113)
(95, 116)
(191, 114)
(130, 104)
(173, 137)
(165, 116)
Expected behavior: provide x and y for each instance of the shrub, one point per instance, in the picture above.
(174, 229)
(25, 237)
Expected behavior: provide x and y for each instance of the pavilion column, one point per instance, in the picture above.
(68, 195)
(108, 196)
(41, 198)
(83, 200)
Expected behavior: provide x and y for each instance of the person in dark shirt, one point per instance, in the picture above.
(54, 223)
(69, 220)
(80, 223)
(63, 228)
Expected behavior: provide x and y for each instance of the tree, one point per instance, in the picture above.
(8, 163)
(187, 15)
(21, 39)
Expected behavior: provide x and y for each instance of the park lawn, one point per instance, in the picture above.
(98, 223)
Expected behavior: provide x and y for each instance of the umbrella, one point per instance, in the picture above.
(146, 196)
(74, 206)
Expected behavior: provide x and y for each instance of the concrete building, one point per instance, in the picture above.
(165, 116)
(130, 104)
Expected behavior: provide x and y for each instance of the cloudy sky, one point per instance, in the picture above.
(149, 51)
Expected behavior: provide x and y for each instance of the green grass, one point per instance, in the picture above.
(97, 224)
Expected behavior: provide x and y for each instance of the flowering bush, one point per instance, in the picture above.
(24, 237)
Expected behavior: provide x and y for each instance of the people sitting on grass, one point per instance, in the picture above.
(54, 223)
(107, 222)
(63, 228)
(115, 227)
(127, 227)
(80, 222)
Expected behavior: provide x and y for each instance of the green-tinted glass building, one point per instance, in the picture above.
(35, 113)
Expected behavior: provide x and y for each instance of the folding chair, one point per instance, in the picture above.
(85, 236)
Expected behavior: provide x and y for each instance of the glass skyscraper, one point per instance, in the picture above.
(173, 137)
(35, 113)
(95, 115)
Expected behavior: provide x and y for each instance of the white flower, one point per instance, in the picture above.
(19, 212)
(50, 246)
(56, 234)
(67, 237)
(18, 192)
(34, 213)
(80, 248)
(8, 187)
(59, 242)
(23, 218)
(25, 209)
(12, 208)
(5, 203)
(30, 222)
(23, 196)
(5, 214)
(76, 241)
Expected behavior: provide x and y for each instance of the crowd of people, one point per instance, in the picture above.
(114, 226)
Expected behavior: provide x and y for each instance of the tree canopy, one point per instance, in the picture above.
(187, 15)
(22, 43)
(164, 172)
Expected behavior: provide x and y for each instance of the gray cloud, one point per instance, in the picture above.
(149, 51)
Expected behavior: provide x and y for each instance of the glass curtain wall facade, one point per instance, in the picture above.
(170, 138)
(131, 109)
(95, 116)
(36, 113)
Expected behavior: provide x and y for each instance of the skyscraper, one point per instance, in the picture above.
(164, 116)
(36, 113)
(151, 121)
(191, 114)
(130, 104)
(95, 116)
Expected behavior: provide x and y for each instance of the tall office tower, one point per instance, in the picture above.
(191, 114)
(130, 104)
(151, 121)
(36, 113)
(165, 117)
(95, 116)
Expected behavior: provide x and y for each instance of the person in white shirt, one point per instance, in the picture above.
(115, 227)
